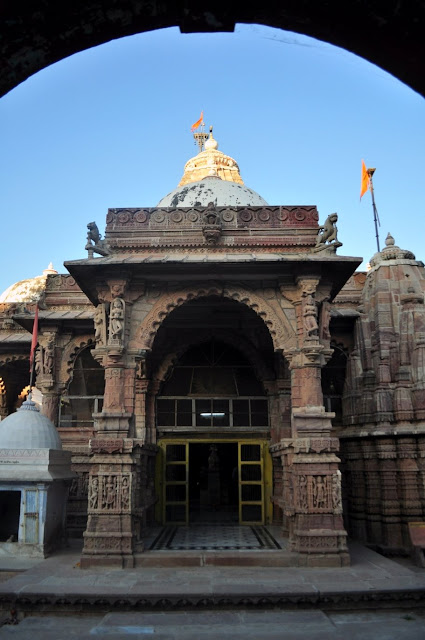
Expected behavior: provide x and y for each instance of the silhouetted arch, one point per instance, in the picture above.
(33, 36)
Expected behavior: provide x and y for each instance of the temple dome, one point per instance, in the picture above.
(210, 162)
(29, 290)
(212, 189)
(27, 428)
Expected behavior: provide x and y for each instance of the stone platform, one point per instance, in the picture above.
(58, 586)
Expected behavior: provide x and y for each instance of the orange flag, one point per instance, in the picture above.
(365, 180)
(198, 122)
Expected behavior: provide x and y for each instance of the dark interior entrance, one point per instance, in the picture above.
(10, 507)
(213, 482)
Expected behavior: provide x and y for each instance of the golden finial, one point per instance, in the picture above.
(209, 161)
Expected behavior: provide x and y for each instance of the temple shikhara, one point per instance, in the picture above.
(215, 360)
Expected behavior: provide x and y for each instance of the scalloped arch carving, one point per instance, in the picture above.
(276, 322)
(69, 355)
(7, 359)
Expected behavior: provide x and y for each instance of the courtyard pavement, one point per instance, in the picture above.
(375, 597)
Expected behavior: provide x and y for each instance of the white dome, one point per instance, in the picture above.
(212, 189)
(28, 429)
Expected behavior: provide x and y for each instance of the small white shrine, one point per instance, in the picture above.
(34, 477)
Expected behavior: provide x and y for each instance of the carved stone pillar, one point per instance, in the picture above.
(390, 500)
(114, 497)
(110, 535)
(140, 409)
(312, 480)
(50, 405)
(153, 389)
(114, 420)
(356, 489)
(409, 483)
(312, 500)
(373, 492)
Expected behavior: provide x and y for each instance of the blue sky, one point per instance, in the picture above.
(110, 127)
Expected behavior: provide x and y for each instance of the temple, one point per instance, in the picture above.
(214, 359)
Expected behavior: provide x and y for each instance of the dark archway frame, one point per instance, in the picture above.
(35, 35)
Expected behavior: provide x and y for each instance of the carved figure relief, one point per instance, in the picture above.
(325, 316)
(49, 358)
(116, 321)
(302, 493)
(94, 494)
(110, 493)
(319, 492)
(310, 316)
(125, 493)
(39, 369)
(336, 492)
(100, 325)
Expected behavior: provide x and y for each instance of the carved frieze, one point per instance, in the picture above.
(187, 217)
(105, 445)
(318, 493)
(110, 493)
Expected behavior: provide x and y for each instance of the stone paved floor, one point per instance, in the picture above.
(220, 625)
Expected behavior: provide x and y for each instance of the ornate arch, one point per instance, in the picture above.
(8, 358)
(70, 353)
(280, 330)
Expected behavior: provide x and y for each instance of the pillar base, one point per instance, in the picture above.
(115, 562)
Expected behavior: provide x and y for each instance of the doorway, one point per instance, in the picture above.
(214, 481)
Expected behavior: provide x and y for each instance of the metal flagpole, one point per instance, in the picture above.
(370, 173)
(34, 346)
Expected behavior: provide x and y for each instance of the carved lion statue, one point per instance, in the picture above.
(93, 233)
(328, 232)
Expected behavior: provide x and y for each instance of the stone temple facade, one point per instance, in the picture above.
(215, 354)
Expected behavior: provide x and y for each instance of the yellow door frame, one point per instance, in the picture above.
(165, 486)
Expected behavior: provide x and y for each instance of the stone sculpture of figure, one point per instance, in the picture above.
(302, 492)
(94, 493)
(125, 493)
(319, 492)
(325, 316)
(116, 320)
(110, 494)
(336, 491)
(39, 361)
(213, 460)
(310, 316)
(99, 324)
(328, 233)
(49, 358)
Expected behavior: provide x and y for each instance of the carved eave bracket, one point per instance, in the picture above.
(211, 225)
